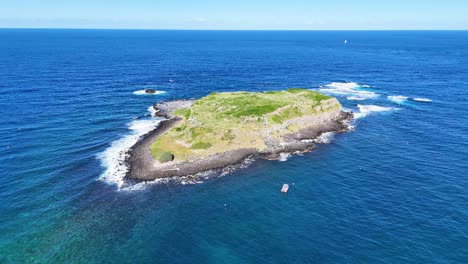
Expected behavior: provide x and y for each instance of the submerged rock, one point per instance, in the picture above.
(150, 91)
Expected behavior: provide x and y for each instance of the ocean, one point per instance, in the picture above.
(392, 190)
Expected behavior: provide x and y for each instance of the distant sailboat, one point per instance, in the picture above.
(345, 41)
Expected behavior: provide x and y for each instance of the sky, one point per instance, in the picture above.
(236, 14)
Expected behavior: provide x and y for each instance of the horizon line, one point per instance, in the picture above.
(191, 29)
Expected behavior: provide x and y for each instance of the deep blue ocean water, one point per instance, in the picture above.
(393, 190)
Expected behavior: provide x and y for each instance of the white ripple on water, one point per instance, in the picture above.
(399, 99)
(355, 98)
(365, 110)
(352, 90)
(113, 158)
(425, 100)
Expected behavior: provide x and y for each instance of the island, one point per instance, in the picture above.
(223, 129)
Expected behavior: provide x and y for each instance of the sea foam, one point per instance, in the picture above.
(113, 158)
(425, 100)
(284, 156)
(191, 179)
(355, 98)
(152, 110)
(352, 90)
(399, 99)
(365, 110)
(325, 138)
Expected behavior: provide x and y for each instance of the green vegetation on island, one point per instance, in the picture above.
(227, 121)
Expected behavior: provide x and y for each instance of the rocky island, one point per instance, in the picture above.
(223, 129)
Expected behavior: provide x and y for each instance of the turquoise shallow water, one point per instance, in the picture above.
(394, 190)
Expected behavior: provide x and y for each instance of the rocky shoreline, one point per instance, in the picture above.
(142, 165)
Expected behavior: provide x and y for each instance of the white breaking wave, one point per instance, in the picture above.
(325, 138)
(191, 179)
(143, 185)
(365, 110)
(152, 110)
(114, 156)
(284, 156)
(352, 90)
(426, 100)
(345, 85)
(346, 109)
(143, 92)
(399, 99)
(355, 98)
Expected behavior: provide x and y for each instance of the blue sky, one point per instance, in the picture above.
(240, 14)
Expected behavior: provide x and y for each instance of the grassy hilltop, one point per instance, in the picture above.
(226, 121)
